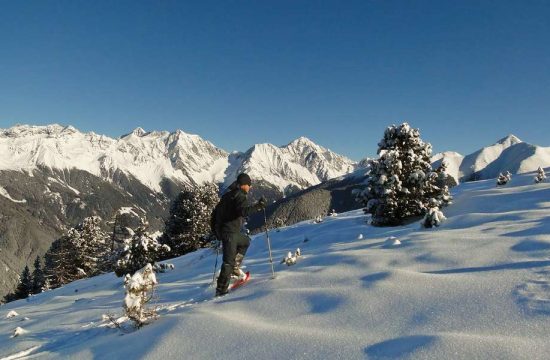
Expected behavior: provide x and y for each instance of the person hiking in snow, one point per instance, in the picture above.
(228, 220)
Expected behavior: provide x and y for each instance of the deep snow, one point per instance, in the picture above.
(478, 287)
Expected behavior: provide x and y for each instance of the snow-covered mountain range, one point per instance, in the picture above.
(508, 154)
(152, 157)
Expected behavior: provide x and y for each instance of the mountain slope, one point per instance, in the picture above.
(508, 154)
(36, 207)
(477, 287)
(295, 166)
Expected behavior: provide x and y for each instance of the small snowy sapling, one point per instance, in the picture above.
(278, 223)
(392, 241)
(139, 291)
(504, 178)
(433, 217)
(12, 314)
(18, 332)
(541, 176)
(290, 258)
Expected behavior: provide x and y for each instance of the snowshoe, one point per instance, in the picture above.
(240, 281)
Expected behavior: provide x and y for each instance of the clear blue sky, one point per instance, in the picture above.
(242, 72)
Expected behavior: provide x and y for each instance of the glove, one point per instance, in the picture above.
(262, 202)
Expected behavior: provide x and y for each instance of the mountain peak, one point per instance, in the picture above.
(509, 140)
(302, 141)
(139, 131)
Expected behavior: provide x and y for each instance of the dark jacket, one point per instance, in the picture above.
(232, 210)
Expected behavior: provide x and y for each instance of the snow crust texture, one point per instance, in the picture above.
(477, 287)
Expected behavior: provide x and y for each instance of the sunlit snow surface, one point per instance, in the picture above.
(151, 157)
(478, 287)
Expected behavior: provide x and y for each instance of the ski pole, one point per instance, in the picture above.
(216, 264)
(269, 246)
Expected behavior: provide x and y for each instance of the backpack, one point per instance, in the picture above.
(216, 216)
(213, 220)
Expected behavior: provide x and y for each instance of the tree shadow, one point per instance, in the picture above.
(371, 280)
(430, 258)
(105, 343)
(510, 266)
(399, 347)
(542, 228)
(323, 303)
(460, 222)
(530, 245)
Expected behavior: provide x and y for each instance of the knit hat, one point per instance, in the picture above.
(244, 179)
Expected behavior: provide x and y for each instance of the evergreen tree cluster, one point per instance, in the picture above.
(138, 251)
(29, 283)
(401, 182)
(81, 252)
(87, 250)
(188, 226)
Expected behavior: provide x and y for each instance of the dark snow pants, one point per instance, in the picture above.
(232, 244)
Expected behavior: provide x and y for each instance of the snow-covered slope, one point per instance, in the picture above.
(508, 154)
(478, 287)
(453, 160)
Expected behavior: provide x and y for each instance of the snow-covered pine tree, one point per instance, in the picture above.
(60, 262)
(38, 278)
(401, 182)
(24, 288)
(123, 222)
(278, 223)
(503, 178)
(541, 176)
(442, 176)
(188, 226)
(91, 246)
(140, 250)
